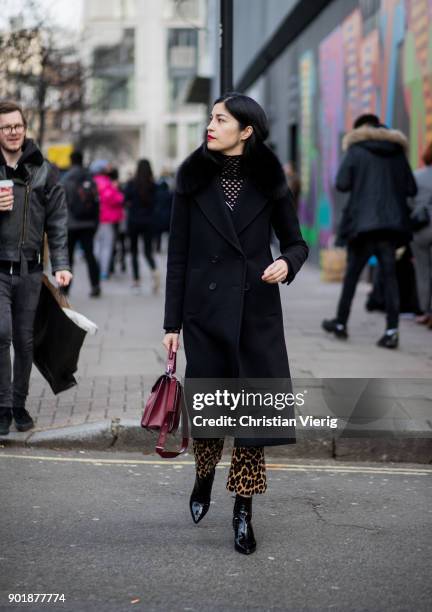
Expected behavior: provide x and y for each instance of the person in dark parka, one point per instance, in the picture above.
(375, 220)
(222, 282)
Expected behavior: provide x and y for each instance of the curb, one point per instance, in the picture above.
(127, 435)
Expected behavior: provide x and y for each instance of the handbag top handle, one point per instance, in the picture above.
(171, 363)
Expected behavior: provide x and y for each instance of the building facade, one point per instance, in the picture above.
(320, 65)
(141, 56)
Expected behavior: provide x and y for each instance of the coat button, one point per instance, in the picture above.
(212, 286)
(214, 259)
(247, 287)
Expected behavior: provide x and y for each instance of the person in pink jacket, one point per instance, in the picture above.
(111, 211)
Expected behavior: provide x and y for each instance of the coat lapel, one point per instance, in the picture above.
(211, 201)
(231, 224)
(249, 205)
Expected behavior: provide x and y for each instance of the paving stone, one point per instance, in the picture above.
(119, 365)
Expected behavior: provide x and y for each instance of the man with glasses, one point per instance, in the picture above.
(32, 202)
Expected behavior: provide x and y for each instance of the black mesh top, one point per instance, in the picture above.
(231, 179)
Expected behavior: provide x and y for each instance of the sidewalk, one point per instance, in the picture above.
(119, 365)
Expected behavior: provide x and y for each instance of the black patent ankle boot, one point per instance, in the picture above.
(199, 502)
(244, 539)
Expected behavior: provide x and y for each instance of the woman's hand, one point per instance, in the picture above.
(171, 341)
(275, 272)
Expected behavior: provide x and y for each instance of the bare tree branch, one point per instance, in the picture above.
(35, 69)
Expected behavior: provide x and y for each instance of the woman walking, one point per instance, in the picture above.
(221, 285)
(140, 194)
(422, 243)
(110, 213)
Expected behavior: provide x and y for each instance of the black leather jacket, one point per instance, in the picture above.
(39, 206)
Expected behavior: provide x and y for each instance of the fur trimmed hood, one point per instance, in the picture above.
(379, 135)
(265, 171)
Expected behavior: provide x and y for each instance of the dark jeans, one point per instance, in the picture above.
(85, 238)
(359, 253)
(146, 233)
(119, 241)
(19, 297)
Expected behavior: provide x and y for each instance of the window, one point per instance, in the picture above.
(171, 140)
(176, 87)
(113, 69)
(182, 49)
(193, 136)
(182, 61)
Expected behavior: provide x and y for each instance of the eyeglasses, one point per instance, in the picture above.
(7, 129)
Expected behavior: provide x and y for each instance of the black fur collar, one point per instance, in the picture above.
(264, 170)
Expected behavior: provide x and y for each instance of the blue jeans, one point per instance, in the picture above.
(19, 297)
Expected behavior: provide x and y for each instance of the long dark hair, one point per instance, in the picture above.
(144, 181)
(247, 112)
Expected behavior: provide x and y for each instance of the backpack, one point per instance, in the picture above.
(82, 197)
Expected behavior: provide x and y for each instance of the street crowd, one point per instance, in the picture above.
(232, 199)
(386, 224)
(108, 220)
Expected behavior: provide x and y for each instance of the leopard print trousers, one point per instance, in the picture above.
(247, 474)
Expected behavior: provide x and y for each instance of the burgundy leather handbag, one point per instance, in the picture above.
(163, 409)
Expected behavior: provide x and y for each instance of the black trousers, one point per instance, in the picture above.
(359, 252)
(85, 238)
(146, 233)
(19, 297)
(119, 247)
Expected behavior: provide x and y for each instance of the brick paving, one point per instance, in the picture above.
(119, 364)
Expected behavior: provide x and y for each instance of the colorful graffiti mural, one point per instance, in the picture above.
(308, 150)
(385, 69)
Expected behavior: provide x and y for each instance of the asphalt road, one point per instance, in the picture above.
(112, 532)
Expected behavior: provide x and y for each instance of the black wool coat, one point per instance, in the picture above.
(376, 172)
(232, 320)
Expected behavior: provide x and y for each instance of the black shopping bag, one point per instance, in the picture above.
(57, 340)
